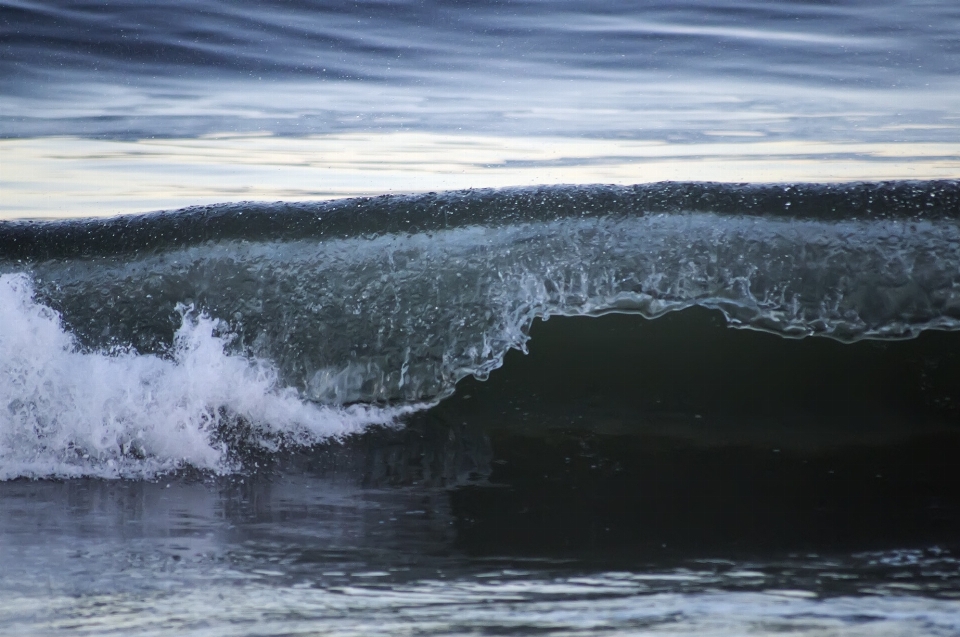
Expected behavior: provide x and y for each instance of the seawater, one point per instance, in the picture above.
(138, 108)
(392, 362)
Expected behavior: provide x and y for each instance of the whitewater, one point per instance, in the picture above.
(116, 414)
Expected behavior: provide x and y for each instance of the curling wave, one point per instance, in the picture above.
(393, 300)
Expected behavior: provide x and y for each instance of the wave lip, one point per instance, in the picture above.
(65, 412)
(395, 299)
(907, 201)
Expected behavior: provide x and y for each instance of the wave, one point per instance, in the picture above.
(121, 414)
(342, 313)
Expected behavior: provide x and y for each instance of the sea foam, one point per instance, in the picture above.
(65, 412)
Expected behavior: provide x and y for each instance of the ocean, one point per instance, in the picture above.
(480, 318)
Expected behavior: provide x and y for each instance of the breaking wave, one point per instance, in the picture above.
(138, 345)
(69, 412)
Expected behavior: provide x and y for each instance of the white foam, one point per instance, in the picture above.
(65, 412)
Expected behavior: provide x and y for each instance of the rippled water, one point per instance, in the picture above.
(306, 555)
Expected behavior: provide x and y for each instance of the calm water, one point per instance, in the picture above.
(137, 108)
(265, 418)
(676, 71)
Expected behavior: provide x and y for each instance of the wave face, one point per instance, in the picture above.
(134, 340)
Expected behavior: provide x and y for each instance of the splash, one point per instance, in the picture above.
(65, 412)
